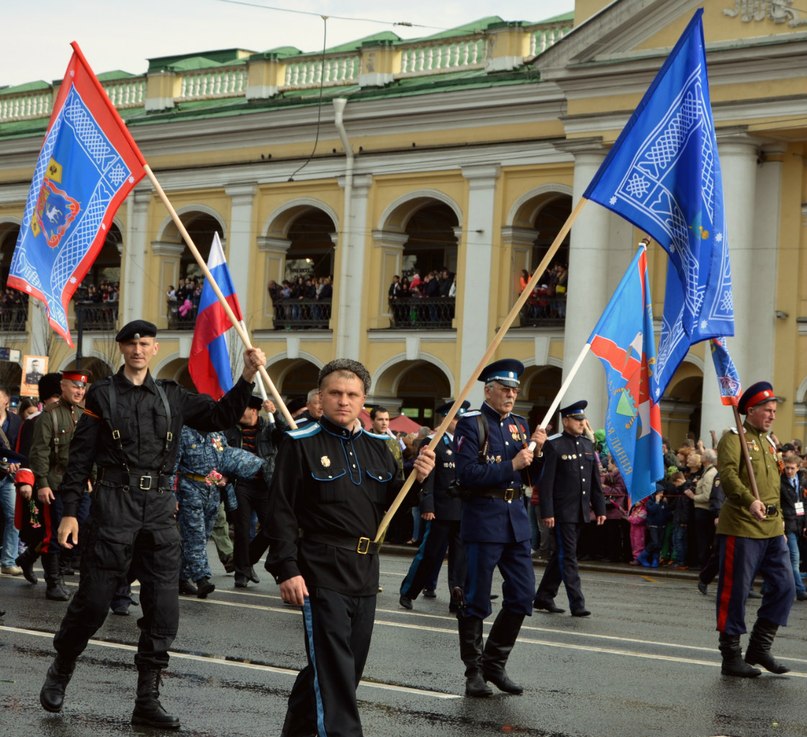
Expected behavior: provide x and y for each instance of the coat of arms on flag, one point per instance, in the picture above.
(55, 209)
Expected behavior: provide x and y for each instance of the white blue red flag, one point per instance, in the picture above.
(209, 361)
(663, 175)
(87, 165)
(727, 377)
(623, 340)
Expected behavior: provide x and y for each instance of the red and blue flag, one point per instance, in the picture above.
(663, 175)
(209, 361)
(623, 340)
(727, 377)
(87, 166)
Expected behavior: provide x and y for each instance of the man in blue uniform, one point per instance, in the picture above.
(441, 510)
(332, 483)
(495, 464)
(570, 489)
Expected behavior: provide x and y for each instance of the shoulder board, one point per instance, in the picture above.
(309, 430)
(471, 413)
(555, 436)
(377, 436)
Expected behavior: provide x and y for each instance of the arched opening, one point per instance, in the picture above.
(14, 303)
(539, 387)
(97, 297)
(303, 299)
(681, 405)
(201, 227)
(543, 216)
(416, 387)
(295, 377)
(424, 296)
(98, 367)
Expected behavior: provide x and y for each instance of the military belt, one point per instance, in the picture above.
(507, 494)
(359, 545)
(195, 477)
(149, 481)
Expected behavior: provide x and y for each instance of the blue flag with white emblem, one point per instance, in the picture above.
(663, 175)
(87, 165)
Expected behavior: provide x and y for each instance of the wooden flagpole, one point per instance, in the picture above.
(242, 333)
(485, 360)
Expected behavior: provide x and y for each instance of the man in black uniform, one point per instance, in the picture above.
(255, 434)
(130, 429)
(332, 483)
(570, 489)
(441, 510)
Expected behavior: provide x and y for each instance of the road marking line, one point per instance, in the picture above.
(243, 664)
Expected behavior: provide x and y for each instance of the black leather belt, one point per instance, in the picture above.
(360, 545)
(150, 481)
(507, 494)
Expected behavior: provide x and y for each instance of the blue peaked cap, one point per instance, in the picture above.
(506, 371)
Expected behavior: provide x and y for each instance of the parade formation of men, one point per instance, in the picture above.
(136, 474)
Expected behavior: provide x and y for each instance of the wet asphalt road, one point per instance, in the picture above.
(645, 664)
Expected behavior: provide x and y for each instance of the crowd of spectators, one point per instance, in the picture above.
(547, 299)
(13, 310)
(305, 299)
(106, 291)
(183, 300)
(429, 290)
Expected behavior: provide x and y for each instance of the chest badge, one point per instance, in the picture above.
(325, 461)
(449, 452)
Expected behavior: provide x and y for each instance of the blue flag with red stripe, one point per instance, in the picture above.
(623, 340)
(209, 361)
(727, 377)
(87, 165)
(663, 175)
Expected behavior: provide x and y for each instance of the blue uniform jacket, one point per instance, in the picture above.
(570, 481)
(493, 520)
(435, 497)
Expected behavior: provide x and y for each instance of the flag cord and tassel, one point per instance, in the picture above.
(242, 333)
(497, 339)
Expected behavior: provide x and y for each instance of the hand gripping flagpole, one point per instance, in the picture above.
(497, 339)
(242, 333)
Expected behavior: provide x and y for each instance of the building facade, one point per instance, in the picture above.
(465, 153)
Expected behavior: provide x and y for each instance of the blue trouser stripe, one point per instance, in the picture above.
(309, 633)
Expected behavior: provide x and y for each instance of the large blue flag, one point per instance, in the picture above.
(663, 175)
(623, 340)
(87, 165)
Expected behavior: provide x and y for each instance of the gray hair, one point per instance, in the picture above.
(345, 367)
(709, 456)
(313, 393)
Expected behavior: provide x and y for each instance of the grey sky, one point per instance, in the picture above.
(121, 34)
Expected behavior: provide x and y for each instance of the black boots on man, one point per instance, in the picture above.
(470, 629)
(500, 642)
(148, 709)
(59, 674)
(55, 590)
(759, 647)
(733, 663)
(26, 562)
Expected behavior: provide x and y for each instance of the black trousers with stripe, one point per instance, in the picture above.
(338, 629)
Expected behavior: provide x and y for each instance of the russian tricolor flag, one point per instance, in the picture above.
(209, 362)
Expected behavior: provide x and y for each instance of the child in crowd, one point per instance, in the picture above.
(637, 517)
(657, 516)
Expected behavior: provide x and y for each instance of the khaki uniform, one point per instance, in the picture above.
(735, 519)
(50, 445)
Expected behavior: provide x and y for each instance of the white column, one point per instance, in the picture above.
(134, 256)
(588, 286)
(474, 282)
(240, 238)
(752, 347)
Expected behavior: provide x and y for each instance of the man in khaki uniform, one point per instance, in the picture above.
(751, 538)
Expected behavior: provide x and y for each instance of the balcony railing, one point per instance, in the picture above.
(422, 313)
(179, 319)
(302, 314)
(12, 318)
(543, 311)
(95, 317)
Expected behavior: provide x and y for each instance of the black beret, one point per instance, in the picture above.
(575, 410)
(758, 393)
(255, 402)
(49, 385)
(444, 409)
(506, 372)
(295, 404)
(136, 329)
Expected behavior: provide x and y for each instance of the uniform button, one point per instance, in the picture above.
(506, 443)
(354, 465)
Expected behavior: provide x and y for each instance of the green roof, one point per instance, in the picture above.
(219, 56)
(115, 75)
(477, 26)
(18, 89)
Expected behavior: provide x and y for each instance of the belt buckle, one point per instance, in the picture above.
(509, 495)
(140, 484)
(364, 546)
